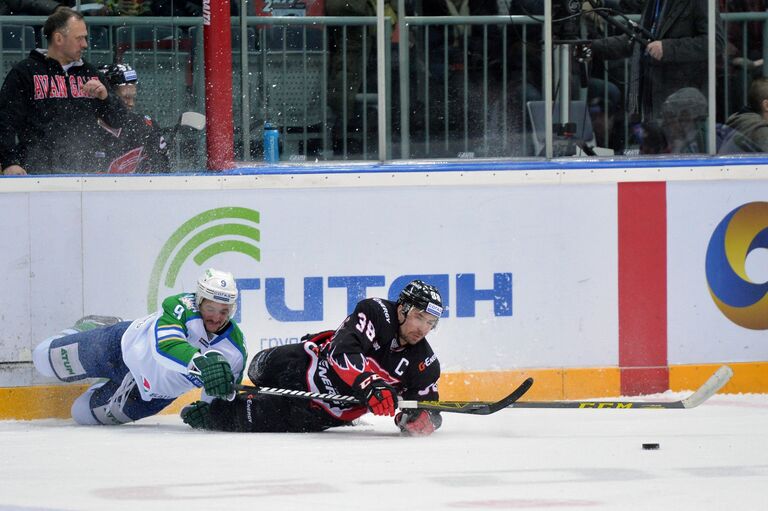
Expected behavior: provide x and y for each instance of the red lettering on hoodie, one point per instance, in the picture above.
(58, 87)
(41, 86)
(61, 83)
(75, 85)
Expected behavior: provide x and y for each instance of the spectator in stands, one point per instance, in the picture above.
(87, 7)
(50, 100)
(650, 138)
(752, 121)
(28, 7)
(675, 57)
(456, 49)
(456, 34)
(536, 7)
(754, 29)
(341, 98)
(604, 114)
(128, 7)
(184, 7)
(744, 54)
(684, 121)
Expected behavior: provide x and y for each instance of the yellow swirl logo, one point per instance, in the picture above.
(736, 295)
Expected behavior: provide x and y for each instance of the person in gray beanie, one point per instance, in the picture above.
(684, 121)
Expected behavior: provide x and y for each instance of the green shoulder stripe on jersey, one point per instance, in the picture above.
(176, 349)
(172, 329)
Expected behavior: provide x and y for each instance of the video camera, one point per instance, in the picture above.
(566, 15)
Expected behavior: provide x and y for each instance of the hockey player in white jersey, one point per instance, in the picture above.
(191, 342)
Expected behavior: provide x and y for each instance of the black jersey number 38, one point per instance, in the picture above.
(365, 326)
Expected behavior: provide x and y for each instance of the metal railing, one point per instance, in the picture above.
(456, 95)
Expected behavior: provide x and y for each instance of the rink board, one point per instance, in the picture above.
(528, 262)
(521, 270)
(54, 401)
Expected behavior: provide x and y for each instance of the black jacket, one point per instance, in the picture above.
(41, 105)
(683, 33)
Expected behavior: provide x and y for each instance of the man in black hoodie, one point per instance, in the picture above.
(50, 100)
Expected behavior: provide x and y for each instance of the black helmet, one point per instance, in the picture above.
(119, 74)
(422, 296)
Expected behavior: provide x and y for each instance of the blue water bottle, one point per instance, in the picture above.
(271, 147)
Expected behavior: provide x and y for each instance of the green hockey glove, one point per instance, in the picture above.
(216, 374)
(198, 415)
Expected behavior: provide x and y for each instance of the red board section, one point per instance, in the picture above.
(642, 223)
(217, 34)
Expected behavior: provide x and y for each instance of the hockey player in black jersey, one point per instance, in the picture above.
(377, 354)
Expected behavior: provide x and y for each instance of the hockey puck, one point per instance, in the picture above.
(650, 447)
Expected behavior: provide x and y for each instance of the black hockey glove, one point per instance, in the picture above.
(418, 422)
(379, 396)
(198, 415)
(216, 374)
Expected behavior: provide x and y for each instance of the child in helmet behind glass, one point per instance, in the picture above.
(140, 144)
(379, 353)
(191, 342)
(123, 80)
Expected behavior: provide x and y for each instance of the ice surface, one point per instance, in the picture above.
(714, 457)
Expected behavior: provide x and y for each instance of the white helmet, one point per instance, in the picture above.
(217, 286)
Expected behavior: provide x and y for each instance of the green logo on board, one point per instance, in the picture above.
(200, 238)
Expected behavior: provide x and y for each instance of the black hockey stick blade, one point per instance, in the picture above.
(472, 407)
(707, 390)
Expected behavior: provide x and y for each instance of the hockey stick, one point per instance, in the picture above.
(471, 407)
(707, 390)
(301, 394)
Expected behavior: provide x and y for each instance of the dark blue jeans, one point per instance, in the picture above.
(98, 354)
